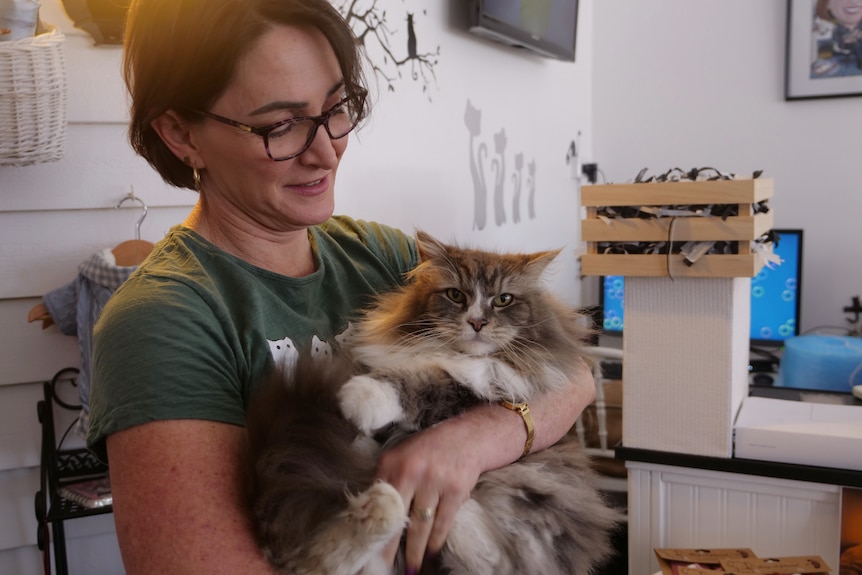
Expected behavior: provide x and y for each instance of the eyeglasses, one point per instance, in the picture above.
(289, 138)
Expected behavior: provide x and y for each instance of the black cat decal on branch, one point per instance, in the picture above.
(388, 50)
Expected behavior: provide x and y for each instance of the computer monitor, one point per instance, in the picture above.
(775, 293)
(775, 296)
(612, 302)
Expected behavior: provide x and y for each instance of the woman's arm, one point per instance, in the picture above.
(438, 468)
(178, 499)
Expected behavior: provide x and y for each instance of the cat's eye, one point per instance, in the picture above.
(456, 295)
(503, 300)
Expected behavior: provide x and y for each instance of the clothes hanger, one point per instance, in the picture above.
(128, 253)
(133, 252)
(40, 313)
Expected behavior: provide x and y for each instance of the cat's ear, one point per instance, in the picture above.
(430, 248)
(537, 262)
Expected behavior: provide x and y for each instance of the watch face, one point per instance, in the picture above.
(103, 20)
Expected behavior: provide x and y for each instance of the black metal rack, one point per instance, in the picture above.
(61, 467)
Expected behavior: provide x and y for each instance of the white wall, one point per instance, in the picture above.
(681, 83)
(409, 167)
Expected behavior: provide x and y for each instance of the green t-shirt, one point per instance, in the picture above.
(192, 332)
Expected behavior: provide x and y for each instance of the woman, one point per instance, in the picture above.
(259, 268)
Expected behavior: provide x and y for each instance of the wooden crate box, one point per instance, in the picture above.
(742, 228)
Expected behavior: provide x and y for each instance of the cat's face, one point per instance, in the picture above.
(473, 318)
(476, 302)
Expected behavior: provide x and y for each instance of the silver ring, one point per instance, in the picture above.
(426, 514)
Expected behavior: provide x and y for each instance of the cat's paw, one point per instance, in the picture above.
(353, 542)
(378, 513)
(369, 403)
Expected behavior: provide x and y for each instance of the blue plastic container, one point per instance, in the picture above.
(824, 362)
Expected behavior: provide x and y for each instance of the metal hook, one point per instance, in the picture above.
(131, 196)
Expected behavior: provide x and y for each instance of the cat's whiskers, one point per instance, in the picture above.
(428, 339)
(517, 356)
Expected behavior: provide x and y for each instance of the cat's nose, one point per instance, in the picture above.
(477, 323)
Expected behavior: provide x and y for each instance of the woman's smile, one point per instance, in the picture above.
(312, 188)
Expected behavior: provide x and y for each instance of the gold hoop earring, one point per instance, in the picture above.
(196, 176)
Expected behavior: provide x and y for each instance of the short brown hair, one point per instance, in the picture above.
(181, 54)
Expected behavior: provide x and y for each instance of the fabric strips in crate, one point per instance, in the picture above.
(717, 227)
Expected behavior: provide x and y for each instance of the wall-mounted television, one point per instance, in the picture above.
(775, 296)
(546, 27)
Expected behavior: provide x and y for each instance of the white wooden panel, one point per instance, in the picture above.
(97, 171)
(29, 353)
(769, 518)
(17, 494)
(95, 89)
(21, 561)
(640, 522)
(98, 555)
(692, 508)
(40, 251)
(18, 528)
(20, 432)
(94, 70)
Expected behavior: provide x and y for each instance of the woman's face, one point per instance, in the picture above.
(289, 72)
(847, 12)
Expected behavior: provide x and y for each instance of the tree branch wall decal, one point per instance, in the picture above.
(391, 48)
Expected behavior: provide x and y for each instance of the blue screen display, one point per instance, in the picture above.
(774, 295)
(613, 303)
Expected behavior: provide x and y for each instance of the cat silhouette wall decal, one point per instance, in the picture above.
(478, 152)
(473, 121)
(531, 186)
(498, 164)
(516, 182)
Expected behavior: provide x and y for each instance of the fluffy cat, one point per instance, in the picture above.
(467, 327)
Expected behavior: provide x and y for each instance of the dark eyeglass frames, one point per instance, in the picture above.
(289, 138)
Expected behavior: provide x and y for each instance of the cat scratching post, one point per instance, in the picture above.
(685, 362)
(686, 333)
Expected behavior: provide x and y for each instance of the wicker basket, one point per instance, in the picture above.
(32, 99)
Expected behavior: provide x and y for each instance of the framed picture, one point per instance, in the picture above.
(824, 49)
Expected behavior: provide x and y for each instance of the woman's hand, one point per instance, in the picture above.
(436, 470)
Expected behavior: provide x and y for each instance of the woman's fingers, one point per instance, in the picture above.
(423, 517)
(391, 550)
(428, 529)
(447, 508)
(434, 480)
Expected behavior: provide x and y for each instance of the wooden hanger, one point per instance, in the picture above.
(127, 253)
(133, 252)
(40, 313)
